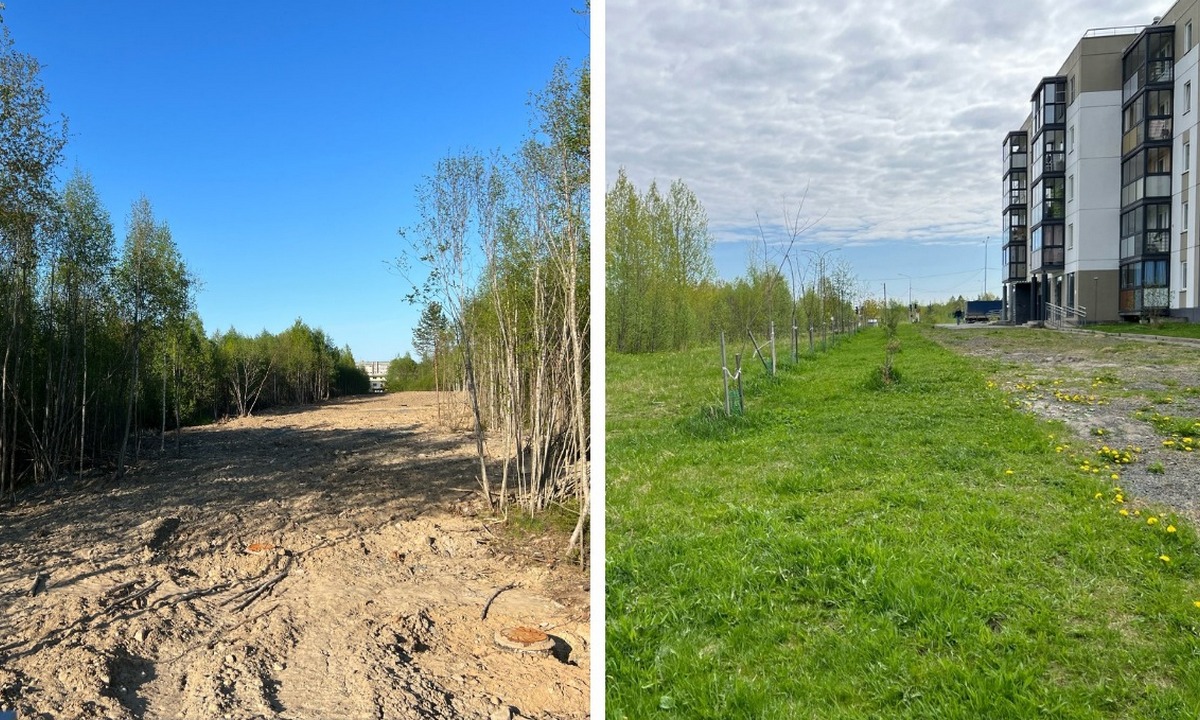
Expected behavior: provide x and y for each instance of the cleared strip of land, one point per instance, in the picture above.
(319, 562)
(932, 549)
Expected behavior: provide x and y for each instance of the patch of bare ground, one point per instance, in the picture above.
(1112, 386)
(329, 562)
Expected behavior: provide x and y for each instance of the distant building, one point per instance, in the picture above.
(377, 371)
(1097, 204)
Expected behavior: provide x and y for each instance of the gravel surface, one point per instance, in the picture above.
(1120, 383)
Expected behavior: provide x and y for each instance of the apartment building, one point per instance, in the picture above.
(1098, 204)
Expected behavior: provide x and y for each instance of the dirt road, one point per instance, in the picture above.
(328, 562)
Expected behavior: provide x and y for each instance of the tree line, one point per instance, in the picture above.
(662, 292)
(103, 342)
(499, 263)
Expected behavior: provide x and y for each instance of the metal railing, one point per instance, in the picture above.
(1118, 30)
(1059, 317)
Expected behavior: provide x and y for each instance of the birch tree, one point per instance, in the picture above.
(446, 244)
(153, 286)
(30, 148)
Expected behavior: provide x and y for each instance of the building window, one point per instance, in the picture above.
(1070, 237)
(1187, 157)
(1072, 93)
(1072, 138)
(1185, 215)
(1187, 36)
(1071, 188)
(1187, 96)
(1183, 274)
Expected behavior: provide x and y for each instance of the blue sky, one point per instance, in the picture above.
(885, 117)
(282, 142)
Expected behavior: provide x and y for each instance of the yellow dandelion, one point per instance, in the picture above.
(1151, 520)
(1137, 513)
(1170, 528)
(1197, 603)
(1008, 472)
(1099, 495)
(1115, 476)
(1123, 512)
(1164, 558)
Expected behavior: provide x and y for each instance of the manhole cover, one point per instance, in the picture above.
(524, 639)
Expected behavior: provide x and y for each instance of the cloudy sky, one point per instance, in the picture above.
(890, 113)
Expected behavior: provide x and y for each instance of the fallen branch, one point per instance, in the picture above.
(488, 604)
(108, 595)
(136, 596)
(255, 592)
(191, 595)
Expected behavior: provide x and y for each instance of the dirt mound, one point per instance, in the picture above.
(301, 564)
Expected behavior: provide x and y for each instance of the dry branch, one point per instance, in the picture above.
(115, 590)
(257, 591)
(488, 604)
(131, 598)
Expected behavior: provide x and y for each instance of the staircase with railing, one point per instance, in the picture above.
(1059, 317)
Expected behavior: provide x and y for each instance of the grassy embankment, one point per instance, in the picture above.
(1170, 329)
(842, 552)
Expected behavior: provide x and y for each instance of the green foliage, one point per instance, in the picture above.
(432, 333)
(502, 253)
(404, 373)
(658, 256)
(348, 377)
(101, 342)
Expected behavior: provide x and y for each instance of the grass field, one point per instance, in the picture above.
(918, 551)
(1176, 329)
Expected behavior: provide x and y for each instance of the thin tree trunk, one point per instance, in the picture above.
(129, 405)
(474, 395)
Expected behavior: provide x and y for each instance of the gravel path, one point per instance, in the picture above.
(1106, 390)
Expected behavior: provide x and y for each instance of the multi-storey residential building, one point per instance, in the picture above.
(1097, 204)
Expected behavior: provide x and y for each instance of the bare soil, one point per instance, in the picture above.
(328, 562)
(1130, 379)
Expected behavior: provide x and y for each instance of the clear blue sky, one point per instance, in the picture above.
(282, 142)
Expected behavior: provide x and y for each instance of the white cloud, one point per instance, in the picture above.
(891, 113)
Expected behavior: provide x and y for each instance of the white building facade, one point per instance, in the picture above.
(1098, 207)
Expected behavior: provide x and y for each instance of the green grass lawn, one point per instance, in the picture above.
(919, 551)
(1174, 329)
